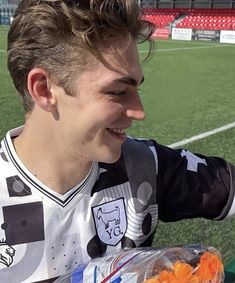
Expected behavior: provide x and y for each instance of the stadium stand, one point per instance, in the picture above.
(210, 19)
(194, 18)
(161, 17)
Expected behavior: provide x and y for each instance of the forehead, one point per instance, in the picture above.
(120, 59)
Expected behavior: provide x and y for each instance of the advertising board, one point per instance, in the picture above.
(206, 35)
(227, 36)
(161, 33)
(181, 34)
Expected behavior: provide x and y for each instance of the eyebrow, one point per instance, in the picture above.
(128, 81)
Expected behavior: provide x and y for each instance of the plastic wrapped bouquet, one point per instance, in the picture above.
(187, 264)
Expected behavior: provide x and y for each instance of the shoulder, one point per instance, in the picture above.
(140, 141)
(138, 146)
(136, 151)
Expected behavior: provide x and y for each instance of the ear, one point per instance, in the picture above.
(39, 86)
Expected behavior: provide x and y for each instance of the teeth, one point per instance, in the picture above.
(117, 131)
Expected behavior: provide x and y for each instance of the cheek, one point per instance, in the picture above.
(86, 122)
(100, 119)
(106, 113)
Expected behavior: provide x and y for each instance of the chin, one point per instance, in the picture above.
(111, 157)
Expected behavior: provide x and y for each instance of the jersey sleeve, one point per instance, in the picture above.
(193, 185)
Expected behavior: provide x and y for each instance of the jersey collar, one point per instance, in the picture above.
(36, 185)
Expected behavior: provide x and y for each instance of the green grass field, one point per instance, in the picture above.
(189, 88)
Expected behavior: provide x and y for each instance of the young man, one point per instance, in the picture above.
(73, 186)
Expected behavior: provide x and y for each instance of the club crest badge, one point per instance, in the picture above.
(110, 221)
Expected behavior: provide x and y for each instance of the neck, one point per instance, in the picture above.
(42, 155)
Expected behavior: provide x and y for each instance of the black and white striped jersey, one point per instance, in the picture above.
(44, 235)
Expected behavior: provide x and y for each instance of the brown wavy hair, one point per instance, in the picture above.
(57, 35)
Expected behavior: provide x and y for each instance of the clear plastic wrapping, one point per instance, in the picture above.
(187, 264)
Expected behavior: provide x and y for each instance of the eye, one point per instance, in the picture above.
(117, 93)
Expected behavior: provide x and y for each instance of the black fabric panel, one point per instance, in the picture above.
(148, 242)
(114, 176)
(140, 166)
(187, 194)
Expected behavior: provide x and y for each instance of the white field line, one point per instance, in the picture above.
(185, 48)
(162, 50)
(182, 41)
(202, 135)
(174, 49)
(193, 42)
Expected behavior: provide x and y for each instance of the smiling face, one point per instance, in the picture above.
(92, 123)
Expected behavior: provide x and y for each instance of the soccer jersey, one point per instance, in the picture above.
(44, 234)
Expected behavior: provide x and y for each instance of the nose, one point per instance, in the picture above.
(134, 108)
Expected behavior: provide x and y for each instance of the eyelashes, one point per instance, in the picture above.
(121, 93)
(117, 93)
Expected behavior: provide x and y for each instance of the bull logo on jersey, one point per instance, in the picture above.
(110, 221)
(6, 254)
